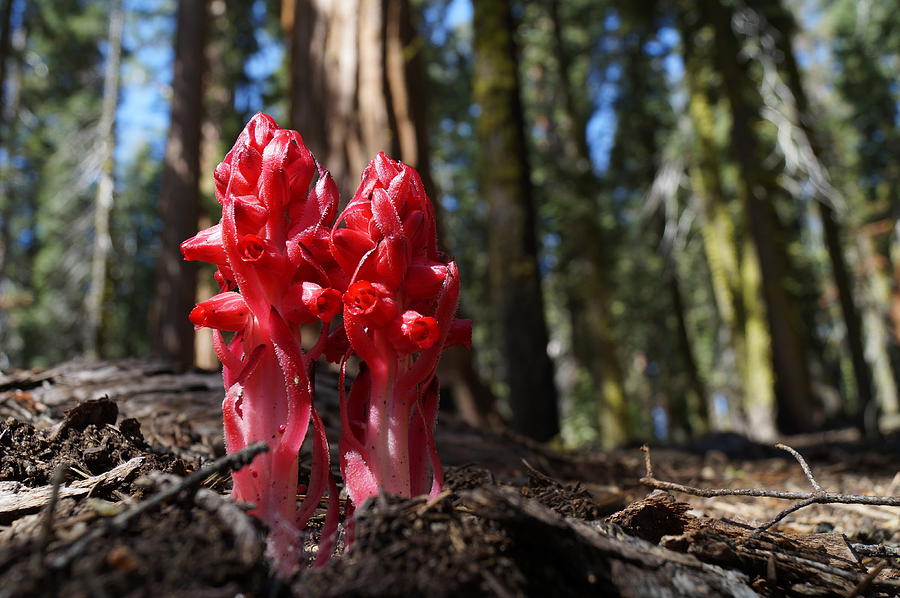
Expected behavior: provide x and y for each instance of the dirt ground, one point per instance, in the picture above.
(93, 502)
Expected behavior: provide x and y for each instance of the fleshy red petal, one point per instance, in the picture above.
(225, 311)
(205, 246)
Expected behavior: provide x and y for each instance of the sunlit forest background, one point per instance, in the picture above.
(670, 217)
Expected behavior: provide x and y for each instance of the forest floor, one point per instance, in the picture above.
(94, 502)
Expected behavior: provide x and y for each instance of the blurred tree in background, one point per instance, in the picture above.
(671, 217)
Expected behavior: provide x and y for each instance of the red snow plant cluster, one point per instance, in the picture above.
(370, 281)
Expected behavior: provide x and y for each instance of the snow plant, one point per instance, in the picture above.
(275, 272)
(283, 260)
(398, 312)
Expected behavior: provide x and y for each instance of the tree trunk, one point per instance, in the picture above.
(358, 88)
(5, 46)
(734, 266)
(688, 410)
(783, 23)
(877, 291)
(104, 201)
(180, 196)
(6, 205)
(594, 343)
(505, 184)
(797, 409)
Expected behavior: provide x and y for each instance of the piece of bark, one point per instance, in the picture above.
(17, 501)
(652, 518)
(601, 555)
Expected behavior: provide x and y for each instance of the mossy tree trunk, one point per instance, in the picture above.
(733, 262)
(797, 410)
(504, 181)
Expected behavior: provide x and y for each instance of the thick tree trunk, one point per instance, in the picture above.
(505, 184)
(797, 409)
(734, 266)
(180, 196)
(104, 202)
(358, 88)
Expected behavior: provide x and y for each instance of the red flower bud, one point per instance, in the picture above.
(414, 332)
(249, 214)
(392, 260)
(248, 161)
(320, 205)
(287, 169)
(371, 302)
(385, 212)
(424, 280)
(349, 246)
(385, 168)
(225, 311)
(323, 303)
(258, 132)
(205, 246)
(221, 176)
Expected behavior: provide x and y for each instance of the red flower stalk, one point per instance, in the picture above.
(398, 315)
(275, 270)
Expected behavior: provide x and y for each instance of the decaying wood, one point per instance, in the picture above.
(623, 563)
(15, 499)
(780, 563)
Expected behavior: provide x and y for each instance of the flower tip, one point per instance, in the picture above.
(198, 316)
(325, 304)
(328, 304)
(422, 331)
(225, 311)
(371, 301)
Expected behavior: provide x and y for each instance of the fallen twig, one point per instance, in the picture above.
(866, 581)
(818, 496)
(234, 461)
